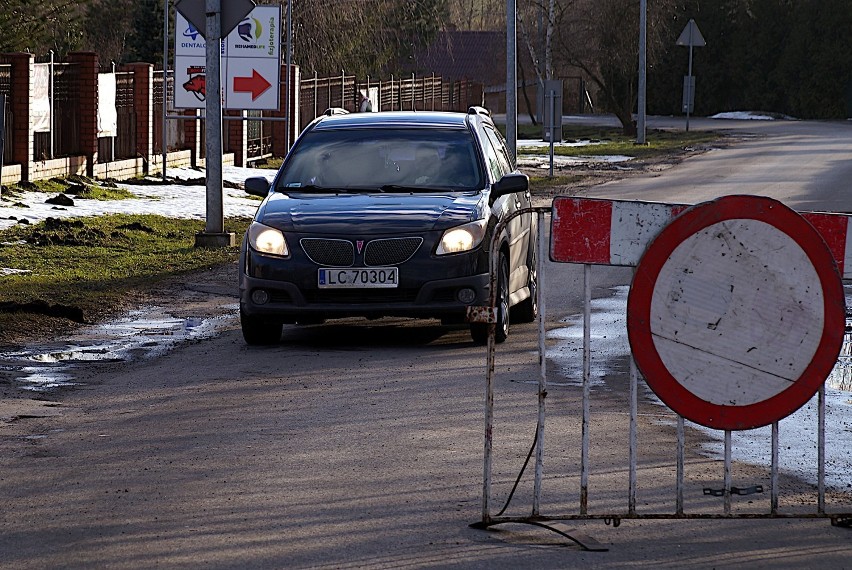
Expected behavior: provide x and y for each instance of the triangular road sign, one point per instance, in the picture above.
(691, 36)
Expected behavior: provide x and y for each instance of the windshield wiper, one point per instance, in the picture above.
(315, 188)
(401, 188)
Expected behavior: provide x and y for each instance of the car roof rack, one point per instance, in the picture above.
(477, 110)
(335, 111)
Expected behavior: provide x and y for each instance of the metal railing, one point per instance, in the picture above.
(728, 491)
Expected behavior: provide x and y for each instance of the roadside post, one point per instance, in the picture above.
(690, 36)
(215, 18)
(705, 346)
(552, 128)
(2, 136)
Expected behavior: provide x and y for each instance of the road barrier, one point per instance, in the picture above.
(707, 350)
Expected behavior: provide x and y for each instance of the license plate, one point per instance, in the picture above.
(372, 278)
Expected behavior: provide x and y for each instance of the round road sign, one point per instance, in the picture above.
(736, 313)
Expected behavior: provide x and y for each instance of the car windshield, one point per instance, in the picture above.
(385, 160)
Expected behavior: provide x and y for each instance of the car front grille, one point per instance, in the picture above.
(329, 252)
(393, 251)
(377, 253)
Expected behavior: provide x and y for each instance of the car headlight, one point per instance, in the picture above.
(462, 238)
(267, 240)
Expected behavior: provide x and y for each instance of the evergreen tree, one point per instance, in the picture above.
(145, 40)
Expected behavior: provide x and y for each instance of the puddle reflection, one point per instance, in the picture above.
(143, 333)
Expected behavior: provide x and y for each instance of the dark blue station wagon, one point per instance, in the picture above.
(388, 214)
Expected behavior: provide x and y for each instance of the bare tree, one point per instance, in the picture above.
(366, 37)
(477, 15)
(601, 37)
(39, 26)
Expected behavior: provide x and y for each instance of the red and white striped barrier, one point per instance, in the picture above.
(617, 232)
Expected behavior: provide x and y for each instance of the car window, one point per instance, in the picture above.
(495, 166)
(504, 147)
(385, 159)
(499, 144)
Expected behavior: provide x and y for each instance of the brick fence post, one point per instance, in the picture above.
(237, 138)
(87, 63)
(20, 101)
(192, 136)
(143, 105)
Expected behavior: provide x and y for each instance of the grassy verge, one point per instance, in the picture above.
(82, 269)
(606, 141)
(77, 186)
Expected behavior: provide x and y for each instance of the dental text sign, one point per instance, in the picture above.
(251, 55)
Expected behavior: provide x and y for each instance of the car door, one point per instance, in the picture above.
(519, 227)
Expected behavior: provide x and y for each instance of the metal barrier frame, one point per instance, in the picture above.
(545, 521)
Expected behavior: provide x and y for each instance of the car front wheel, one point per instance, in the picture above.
(479, 331)
(259, 331)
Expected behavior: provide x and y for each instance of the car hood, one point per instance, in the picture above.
(371, 213)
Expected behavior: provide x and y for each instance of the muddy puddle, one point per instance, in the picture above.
(143, 333)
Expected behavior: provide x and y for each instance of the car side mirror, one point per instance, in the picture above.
(257, 186)
(510, 184)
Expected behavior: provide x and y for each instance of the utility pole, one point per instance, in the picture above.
(511, 77)
(643, 69)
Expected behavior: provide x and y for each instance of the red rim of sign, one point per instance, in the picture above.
(661, 381)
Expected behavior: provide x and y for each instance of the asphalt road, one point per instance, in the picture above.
(359, 445)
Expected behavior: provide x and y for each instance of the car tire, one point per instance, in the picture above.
(258, 331)
(479, 331)
(527, 310)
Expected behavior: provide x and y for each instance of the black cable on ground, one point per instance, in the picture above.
(521, 474)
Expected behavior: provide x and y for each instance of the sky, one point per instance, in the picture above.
(41, 368)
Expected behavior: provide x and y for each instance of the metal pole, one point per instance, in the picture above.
(489, 386)
(587, 355)
(52, 105)
(821, 450)
(632, 449)
(213, 144)
(511, 77)
(112, 138)
(680, 462)
(643, 31)
(164, 137)
(631, 444)
(727, 490)
(3, 136)
(289, 59)
(689, 94)
(542, 367)
(552, 95)
(489, 436)
(773, 480)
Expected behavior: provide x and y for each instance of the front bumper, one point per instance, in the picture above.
(292, 291)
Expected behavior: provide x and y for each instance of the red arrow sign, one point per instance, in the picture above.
(256, 84)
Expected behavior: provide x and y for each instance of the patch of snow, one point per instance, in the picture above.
(172, 200)
(543, 161)
(9, 271)
(749, 116)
